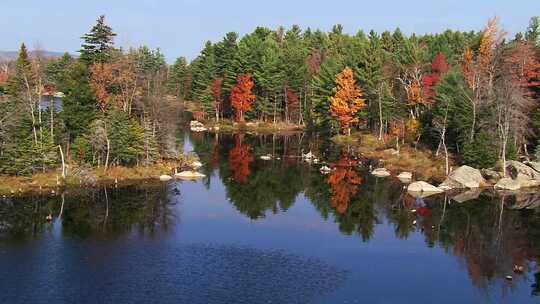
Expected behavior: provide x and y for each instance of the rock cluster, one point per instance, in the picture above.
(197, 126)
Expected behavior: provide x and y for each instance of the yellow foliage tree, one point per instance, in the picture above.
(347, 100)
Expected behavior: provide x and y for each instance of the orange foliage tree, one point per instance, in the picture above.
(479, 71)
(344, 182)
(239, 159)
(347, 100)
(241, 96)
(120, 74)
(101, 79)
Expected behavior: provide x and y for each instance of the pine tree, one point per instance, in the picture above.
(98, 43)
(177, 76)
(79, 105)
(533, 31)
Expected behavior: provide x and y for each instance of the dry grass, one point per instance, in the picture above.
(227, 125)
(422, 162)
(89, 176)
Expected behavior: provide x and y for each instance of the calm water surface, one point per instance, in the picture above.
(275, 231)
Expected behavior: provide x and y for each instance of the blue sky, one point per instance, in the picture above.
(180, 27)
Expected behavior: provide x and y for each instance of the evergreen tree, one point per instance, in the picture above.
(79, 106)
(98, 43)
(533, 31)
(177, 77)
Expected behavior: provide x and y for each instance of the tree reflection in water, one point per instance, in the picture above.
(239, 159)
(344, 182)
(486, 236)
(489, 234)
(84, 213)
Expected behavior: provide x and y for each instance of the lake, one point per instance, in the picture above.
(277, 231)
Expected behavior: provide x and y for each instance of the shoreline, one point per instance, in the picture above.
(51, 181)
(422, 163)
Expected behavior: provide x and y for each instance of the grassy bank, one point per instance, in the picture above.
(77, 176)
(423, 163)
(255, 126)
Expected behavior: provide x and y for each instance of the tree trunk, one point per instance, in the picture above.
(63, 162)
(107, 157)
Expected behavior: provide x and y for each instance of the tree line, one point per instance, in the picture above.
(105, 107)
(470, 94)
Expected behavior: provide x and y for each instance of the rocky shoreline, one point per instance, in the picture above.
(517, 176)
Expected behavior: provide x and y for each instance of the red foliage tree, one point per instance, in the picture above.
(239, 159)
(291, 103)
(241, 96)
(439, 67)
(523, 67)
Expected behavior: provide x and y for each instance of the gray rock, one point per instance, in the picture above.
(405, 175)
(491, 175)
(518, 169)
(464, 177)
(468, 195)
(381, 172)
(423, 187)
(165, 178)
(189, 175)
(525, 182)
(507, 184)
(534, 165)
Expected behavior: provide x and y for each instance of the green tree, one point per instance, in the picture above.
(98, 43)
(79, 106)
(533, 31)
(177, 77)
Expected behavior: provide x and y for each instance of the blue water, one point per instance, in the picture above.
(195, 242)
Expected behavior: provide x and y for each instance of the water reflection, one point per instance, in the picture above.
(90, 213)
(480, 229)
(489, 233)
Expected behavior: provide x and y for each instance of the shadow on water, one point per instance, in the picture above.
(491, 235)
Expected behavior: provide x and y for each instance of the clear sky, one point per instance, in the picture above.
(180, 27)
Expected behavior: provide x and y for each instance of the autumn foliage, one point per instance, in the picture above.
(239, 159)
(344, 182)
(347, 99)
(439, 67)
(102, 77)
(523, 66)
(242, 96)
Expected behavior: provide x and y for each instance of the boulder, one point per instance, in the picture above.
(517, 169)
(308, 156)
(464, 177)
(405, 175)
(534, 165)
(196, 164)
(468, 195)
(325, 170)
(507, 184)
(423, 187)
(197, 126)
(525, 182)
(491, 175)
(266, 157)
(165, 178)
(380, 172)
(189, 175)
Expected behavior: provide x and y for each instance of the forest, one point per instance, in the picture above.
(469, 96)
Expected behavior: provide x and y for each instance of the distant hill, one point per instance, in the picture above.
(11, 55)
